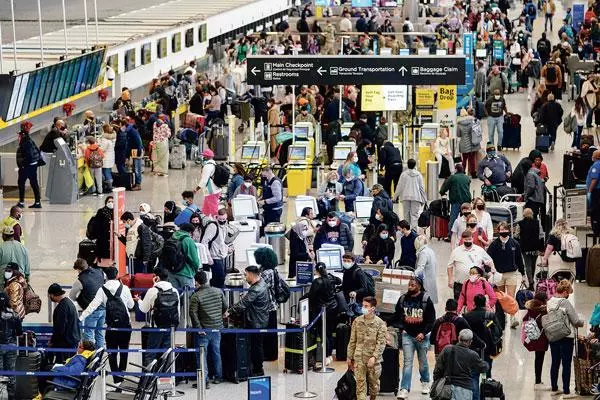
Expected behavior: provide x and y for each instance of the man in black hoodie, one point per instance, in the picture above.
(355, 283)
(414, 316)
(391, 160)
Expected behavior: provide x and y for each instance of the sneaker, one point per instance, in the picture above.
(101, 194)
(425, 388)
(570, 396)
(95, 194)
(513, 322)
(556, 393)
(135, 188)
(328, 360)
(540, 387)
(36, 205)
(21, 204)
(216, 381)
(403, 394)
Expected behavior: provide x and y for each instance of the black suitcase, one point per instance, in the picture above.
(221, 144)
(26, 387)
(235, 356)
(270, 340)
(501, 212)
(342, 338)
(491, 389)
(125, 180)
(542, 143)
(87, 251)
(389, 381)
(512, 136)
(294, 350)
(185, 362)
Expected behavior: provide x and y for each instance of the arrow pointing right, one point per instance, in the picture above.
(254, 71)
(403, 70)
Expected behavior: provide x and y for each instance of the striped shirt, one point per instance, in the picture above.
(207, 307)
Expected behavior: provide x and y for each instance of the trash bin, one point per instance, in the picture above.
(433, 186)
(275, 233)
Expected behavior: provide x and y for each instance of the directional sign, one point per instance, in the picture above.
(335, 70)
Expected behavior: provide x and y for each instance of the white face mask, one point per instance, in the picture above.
(143, 212)
(347, 265)
(497, 97)
(8, 275)
(332, 223)
(473, 278)
(110, 206)
(247, 184)
(355, 159)
(333, 181)
(378, 217)
(305, 233)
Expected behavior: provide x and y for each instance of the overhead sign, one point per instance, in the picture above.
(384, 97)
(498, 50)
(576, 207)
(347, 70)
(446, 97)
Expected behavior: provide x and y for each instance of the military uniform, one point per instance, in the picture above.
(329, 48)
(367, 340)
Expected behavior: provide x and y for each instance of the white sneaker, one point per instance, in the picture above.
(556, 393)
(424, 387)
(403, 394)
(570, 396)
(540, 387)
(328, 360)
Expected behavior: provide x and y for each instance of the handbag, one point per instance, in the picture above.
(523, 295)
(441, 389)
(508, 304)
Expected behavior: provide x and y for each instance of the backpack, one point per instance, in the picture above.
(548, 286)
(424, 217)
(158, 242)
(346, 387)
(551, 75)
(493, 335)
(210, 242)
(370, 282)
(31, 301)
(117, 315)
(446, 335)
(96, 160)
(531, 11)
(381, 135)
(221, 175)
(90, 231)
(556, 324)
(531, 330)
(281, 289)
(571, 248)
(166, 309)
(476, 133)
(542, 47)
(172, 257)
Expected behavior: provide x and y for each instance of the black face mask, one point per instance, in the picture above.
(471, 225)
(504, 234)
(222, 222)
(468, 244)
(466, 214)
(480, 207)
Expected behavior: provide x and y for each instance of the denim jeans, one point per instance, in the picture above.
(577, 136)
(562, 353)
(122, 169)
(212, 344)
(475, 376)
(8, 360)
(137, 169)
(409, 346)
(107, 175)
(218, 274)
(180, 282)
(156, 340)
(454, 213)
(498, 124)
(95, 319)
(460, 393)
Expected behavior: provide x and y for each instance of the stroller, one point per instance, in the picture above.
(547, 277)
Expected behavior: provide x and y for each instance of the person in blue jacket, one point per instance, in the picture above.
(408, 258)
(190, 208)
(135, 150)
(351, 187)
(73, 367)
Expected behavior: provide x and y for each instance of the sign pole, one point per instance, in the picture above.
(324, 369)
(294, 114)
(14, 31)
(96, 21)
(119, 256)
(85, 20)
(41, 33)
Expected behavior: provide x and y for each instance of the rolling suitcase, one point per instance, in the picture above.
(87, 251)
(235, 356)
(342, 338)
(221, 144)
(389, 381)
(592, 266)
(511, 138)
(194, 152)
(438, 227)
(542, 143)
(177, 157)
(125, 180)
(185, 362)
(26, 387)
(294, 350)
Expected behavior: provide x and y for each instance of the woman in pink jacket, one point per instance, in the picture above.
(474, 286)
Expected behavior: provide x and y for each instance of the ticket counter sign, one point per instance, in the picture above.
(384, 97)
(425, 98)
(446, 97)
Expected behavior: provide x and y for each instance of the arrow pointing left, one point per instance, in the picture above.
(254, 71)
(320, 71)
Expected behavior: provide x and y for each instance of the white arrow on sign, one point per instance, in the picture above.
(320, 71)
(254, 71)
(403, 70)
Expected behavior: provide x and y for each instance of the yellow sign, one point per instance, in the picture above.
(424, 97)
(447, 97)
(384, 97)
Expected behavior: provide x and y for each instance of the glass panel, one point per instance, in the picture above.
(69, 72)
(73, 78)
(13, 98)
(40, 96)
(27, 99)
(82, 71)
(55, 84)
(48, 89)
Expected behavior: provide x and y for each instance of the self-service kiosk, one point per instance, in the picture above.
(245, 215)
(299, 172)
(427, 135)
(62, 175)
(362, 209)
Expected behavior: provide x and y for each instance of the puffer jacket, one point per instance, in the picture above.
(15, 291)
(107, 144)
(535, 310)
(465, 133)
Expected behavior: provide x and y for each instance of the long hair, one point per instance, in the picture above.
(561, 227)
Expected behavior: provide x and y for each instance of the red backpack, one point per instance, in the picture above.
(446, 335)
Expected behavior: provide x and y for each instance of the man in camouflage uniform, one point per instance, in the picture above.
(365, 349)
(329, 48)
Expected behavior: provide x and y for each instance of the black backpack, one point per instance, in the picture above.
(158, 243)
(117, 315)
(221, 175)
(346, 387)
(90, 231)
(370, 281)
(173, 257)
(531, 10)
(493, 335)
(542, 47)
(210, 242)
(281, 289)
(166, 309)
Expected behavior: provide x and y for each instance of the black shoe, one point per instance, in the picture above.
(216, 381)
(499, 148)
(36, 205)
(21, 204)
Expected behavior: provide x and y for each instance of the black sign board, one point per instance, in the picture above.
(355, 70)
(304, 273)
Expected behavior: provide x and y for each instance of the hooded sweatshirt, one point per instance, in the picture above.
(411, 187)
(192, 261)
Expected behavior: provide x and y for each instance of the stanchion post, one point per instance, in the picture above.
(324, 369)
(202, 383)
(186, 307)
(199, 378)
(305, 394)
(173, 392)
(49, 310)
(103, 378)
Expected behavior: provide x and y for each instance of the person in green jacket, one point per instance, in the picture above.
(458, 187)
(13, 251)
(185, 277)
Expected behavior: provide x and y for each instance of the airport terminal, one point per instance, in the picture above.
(280, 199)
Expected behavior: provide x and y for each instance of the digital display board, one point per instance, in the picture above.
(21, 94)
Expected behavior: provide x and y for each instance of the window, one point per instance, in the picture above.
(113, 61)
(176, 43)
(161, 48)
(129, 60)
(202, 33)
(189, 37)
(146, 54)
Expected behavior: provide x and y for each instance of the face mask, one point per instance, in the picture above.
(18, 217)
(480, 207)
(473, 278)
(305, 233)
(8, 275)
(347, 265)
(468, 244)
(471, 225)
(127, 226)
(355, 159)
(247, 184)
(378, 217)
(332, 223)
(364, 310)
(504, 234)
(110, 206)
(143, 212)
(384, 236)
(466, 213)
(497, 97)
(222, 222)
(333, 181)
(491, 154)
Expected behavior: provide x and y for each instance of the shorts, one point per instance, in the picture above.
(510, 279)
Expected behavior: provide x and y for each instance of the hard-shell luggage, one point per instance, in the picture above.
(440, 208)
(491, 389)
(542, 143)
(194, 152)
(26, 387)
(342, 338)
(439, 227)
(390, 371)
(235, 356)
(592, 266)
(221, 144)
(502, 212)
(479, 107)
(87, 251)
(511, 137)
(126, 180)
(193, 121)
(177, 157)
(294, 350)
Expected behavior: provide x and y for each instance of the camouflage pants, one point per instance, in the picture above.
(329, 49)
(364, 376)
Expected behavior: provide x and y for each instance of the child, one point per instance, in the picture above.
(94, 158)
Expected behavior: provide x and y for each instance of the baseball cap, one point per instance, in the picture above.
(55, 290)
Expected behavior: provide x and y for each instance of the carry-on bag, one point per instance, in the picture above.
(235, 356)
(220, 143)
(294, 350)
(491, 389)
(342, 338)
(592, 265)
(177, 157)
(389, 381)
(438, 227)
(126, 180)
(511, 137)
(26, 387)
(542, 143)
(87, 251)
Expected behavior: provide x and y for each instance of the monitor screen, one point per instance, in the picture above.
(303, 202)
(250, 152)
(441, 52)
(404, 52)
(481, 53)
(341, 153)
(301, 132)
(363, 208)
(362, 3)
(332, 258)
(243, 207)
(428, 133)
(297, 153)
(250, 256)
